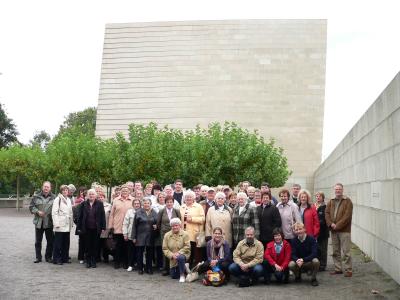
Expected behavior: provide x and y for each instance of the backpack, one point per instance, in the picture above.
(214, 278)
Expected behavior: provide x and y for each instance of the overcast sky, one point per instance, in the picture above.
(50, 52)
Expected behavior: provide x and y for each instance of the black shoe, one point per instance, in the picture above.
(267, 282)
(150, 272)
(88, 264)
(165, 273)
(286, 280)
(321, 269)
(116, 266)
(93, 263)
(38, 260)
(140, 272)
(297, 279)
(105, 260)
(60, 263)
(314, 282)
(49, 259)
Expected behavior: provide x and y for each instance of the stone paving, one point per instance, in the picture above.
(20, 278)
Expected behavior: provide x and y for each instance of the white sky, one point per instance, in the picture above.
(50, 52)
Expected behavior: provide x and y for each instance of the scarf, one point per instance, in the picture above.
(215, 245)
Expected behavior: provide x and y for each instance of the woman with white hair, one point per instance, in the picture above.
(220, 215)
(243, 216)
(193, 218)
(308, 214)
(91, 223)
(176, 247)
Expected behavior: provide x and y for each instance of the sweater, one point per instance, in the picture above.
(307, 250)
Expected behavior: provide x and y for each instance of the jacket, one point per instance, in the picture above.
(251, 255)
(107, 211)
(310, 220)
(61, 214)
(282, 259)
(216, 218)
(142, 229)
(323, 228)
(289, 215)
(176, 242)
(240, 222)
(198, 219)
(100, 216)
(163, 222)
(307, 250)
(41, 203)
(343, 216)
(128, 222)
(117, 215)
(227, 252)
(269, 218)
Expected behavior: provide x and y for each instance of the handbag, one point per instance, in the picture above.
(214, 278)
(193, 274)
(110, 243)
(200, 239)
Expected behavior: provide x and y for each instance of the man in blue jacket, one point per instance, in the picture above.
(304, 254)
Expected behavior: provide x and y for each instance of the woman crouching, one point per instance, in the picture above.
(176, 247)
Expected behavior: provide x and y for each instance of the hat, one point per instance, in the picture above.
(71, 188)
(211, 190)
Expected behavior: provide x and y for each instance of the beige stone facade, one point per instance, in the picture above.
(263, 74)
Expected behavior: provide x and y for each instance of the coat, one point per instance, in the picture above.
(247, 218)
(282, 259)
(289, 215)
(251, 255)
(142, 229)
(323, 228)
(100, 217)
(107, 211)
(41, 203)
(343, 217)
(128, 223)
(198, 219)
(310, 221)
(61, 214)
(176, 242)
(269, 218)
(117, 215)
(216, 218)
(163, 220)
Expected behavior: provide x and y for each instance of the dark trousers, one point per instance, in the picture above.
(196, 254)
(323, 252)
(92, 240)
(38, 242)
(159, 256)
(149, 257)
(254, 273)
(103, 251)
(121, 250)
(280, 276)
(131, 254)
(81, 247)
(61, 247)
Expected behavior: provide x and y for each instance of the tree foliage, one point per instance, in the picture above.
(40, 139)
(82, 122)
(8, 130)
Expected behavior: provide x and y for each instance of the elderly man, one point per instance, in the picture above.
(295, 193)
(40, 206)
(248, 258)
(338, 214)
(209, 201)
(304, 254)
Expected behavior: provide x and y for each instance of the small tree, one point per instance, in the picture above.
(8, 131)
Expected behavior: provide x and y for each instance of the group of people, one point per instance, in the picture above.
(249, 234)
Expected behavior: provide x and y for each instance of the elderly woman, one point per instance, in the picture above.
(119, 208)
(323, 230)
(144, 232)
(91, 223)
(193, 218)
(232, 200)
(163, 224)
(218, 253)
(269, 218)
(308, 214)
(176, 247)
(127, 232)
(243, 217)
(62, 224)
(289, 214)
(220, 215)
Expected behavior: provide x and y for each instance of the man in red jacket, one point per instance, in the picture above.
(276, 258)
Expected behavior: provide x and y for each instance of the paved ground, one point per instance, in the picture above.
(20, 278)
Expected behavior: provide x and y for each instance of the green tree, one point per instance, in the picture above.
(82, 122)
(8, 130)
(40, 139)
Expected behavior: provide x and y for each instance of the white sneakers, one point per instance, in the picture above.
(81, 261)
(129, 269)
(182, 279)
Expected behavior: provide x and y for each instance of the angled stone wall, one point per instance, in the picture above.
(367, 162)
(263, 74)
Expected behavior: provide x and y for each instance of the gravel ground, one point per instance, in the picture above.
(20, 278)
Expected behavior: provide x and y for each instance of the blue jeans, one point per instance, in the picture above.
(254, 273)
(179, 270)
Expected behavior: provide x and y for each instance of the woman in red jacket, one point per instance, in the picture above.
(276, 258)
(308, 214)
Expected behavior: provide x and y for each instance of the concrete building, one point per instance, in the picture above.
(367, 162)
(263, 74)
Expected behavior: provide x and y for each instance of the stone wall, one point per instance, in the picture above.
(367, 162)
(263, 74)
